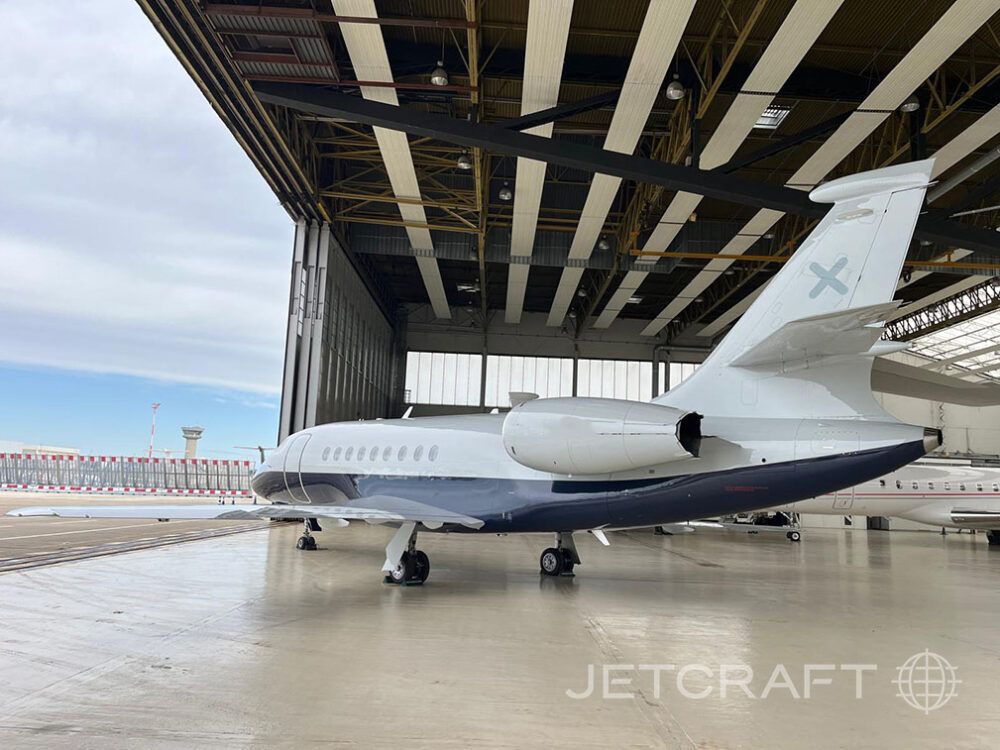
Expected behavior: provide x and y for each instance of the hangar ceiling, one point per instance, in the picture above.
(775, 92)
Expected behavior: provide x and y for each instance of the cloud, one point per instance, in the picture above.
(136, 237)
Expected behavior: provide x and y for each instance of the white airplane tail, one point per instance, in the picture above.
(805, 346)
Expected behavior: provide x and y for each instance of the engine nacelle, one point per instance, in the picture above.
(598, 435)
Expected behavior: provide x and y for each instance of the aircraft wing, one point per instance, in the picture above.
(375, 509)
(851, 331)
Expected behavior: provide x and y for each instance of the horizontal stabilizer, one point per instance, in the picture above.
(376, 509)
(850, 331)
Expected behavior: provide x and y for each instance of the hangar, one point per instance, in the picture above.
(570, 197)
(578, 197)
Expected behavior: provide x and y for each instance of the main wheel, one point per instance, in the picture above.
(403, 571)
(993, 538)
(552, 562)
(421, 566)
(305, 542)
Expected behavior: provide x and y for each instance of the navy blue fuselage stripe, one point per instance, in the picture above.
(525, 505)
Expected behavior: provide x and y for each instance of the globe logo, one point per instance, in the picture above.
(926, 681)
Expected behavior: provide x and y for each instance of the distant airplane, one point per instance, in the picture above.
(948, 494)
(781, 411)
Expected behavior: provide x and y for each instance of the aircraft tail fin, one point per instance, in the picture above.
(823, 306)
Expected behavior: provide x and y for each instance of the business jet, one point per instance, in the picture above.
(782, 410)
(944, 493)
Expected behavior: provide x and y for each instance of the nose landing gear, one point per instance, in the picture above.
(307, 541)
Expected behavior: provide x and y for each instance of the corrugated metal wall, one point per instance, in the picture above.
(343, 359)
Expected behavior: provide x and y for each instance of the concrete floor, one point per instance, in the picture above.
(245, 641)
(27, 542)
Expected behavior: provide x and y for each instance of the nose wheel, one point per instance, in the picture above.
(307, 541)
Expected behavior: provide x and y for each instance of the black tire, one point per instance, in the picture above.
(551, 562)
(301, 543)
(993, 538)
(404, 571)
(310, 542)
(421, 566)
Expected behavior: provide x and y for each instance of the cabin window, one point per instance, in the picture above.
(996, 487)
(881, 483)
(348, 453)
(915, 485)
(402, 453)
(418, 452)
(336, 453)
(961, 487)
(373, 453)
(979, 486)
(326, 453)
(947, 485)
(930, 485)
(432, 454)
(899, 485)
(387, 453)
(361, 453)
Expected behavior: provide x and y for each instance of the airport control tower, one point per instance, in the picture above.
(191, 437)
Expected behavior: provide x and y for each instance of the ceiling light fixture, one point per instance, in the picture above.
(772, 117)
(675, 89)
(633, 300)
(912, 104)
(439, 76)
(603, 244)
(505, 193)
(464, 162)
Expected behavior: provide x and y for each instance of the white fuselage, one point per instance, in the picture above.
(932, 491)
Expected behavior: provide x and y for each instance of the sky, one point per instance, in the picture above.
(142, 256)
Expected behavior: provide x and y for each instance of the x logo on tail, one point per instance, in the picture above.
(828, 277)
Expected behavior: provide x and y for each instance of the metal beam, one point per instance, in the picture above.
(785, 143)
(560, 111)
(590, 159)
(573, 155)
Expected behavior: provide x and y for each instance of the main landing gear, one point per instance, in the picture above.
(404, 563)
(307, 541)
(561, 559)
(993, 538)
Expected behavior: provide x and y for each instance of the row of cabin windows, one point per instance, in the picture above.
(947, 485)
(372, 453)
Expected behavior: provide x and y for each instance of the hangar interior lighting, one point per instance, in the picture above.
(505, 193)
(464, 162)
(912, 104)
(675, 89)
(439, 76)
(772, 117)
